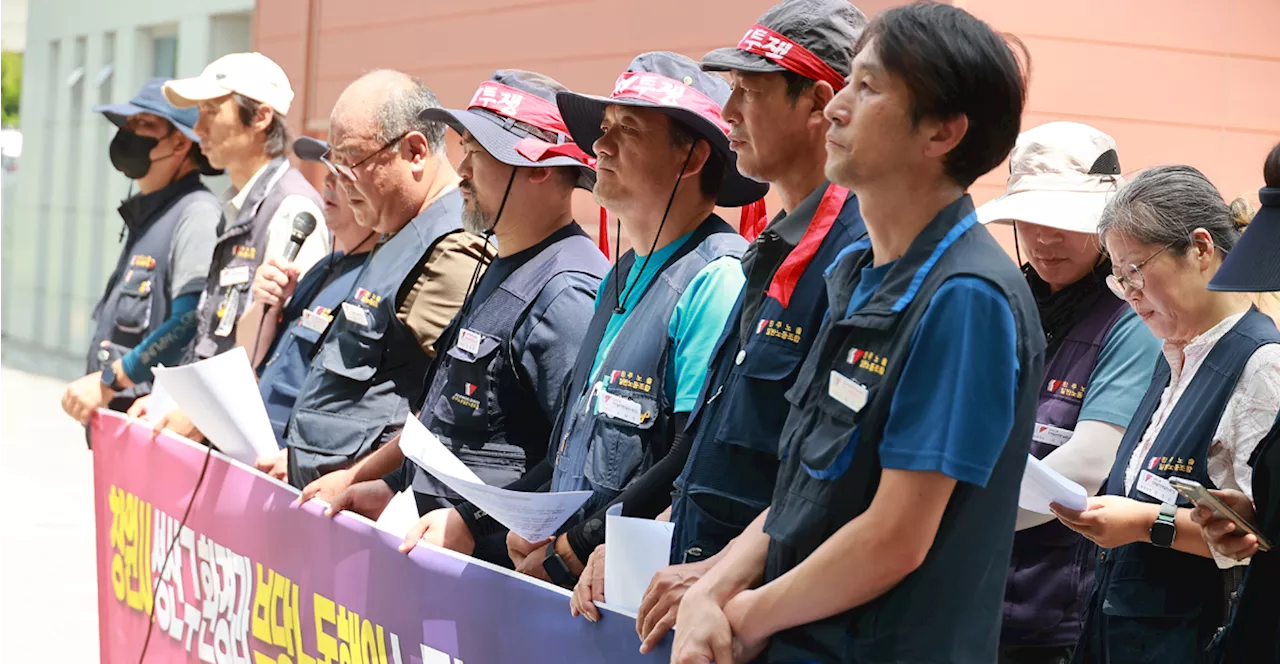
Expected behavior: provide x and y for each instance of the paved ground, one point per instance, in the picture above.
(48, 583)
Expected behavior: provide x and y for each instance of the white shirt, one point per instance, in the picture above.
(280, 227)
(1249, 414)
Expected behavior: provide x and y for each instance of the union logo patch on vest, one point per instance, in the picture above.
(780, 330)
(142, 261)
(369, 298)
(245, 251)
(632, 380)
(470, 388)
(867, 361)
(1063, 388)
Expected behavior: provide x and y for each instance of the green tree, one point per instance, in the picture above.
(11, 80)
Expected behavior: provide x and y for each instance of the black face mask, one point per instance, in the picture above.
(131, 153)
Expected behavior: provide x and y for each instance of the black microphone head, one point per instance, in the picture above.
(304, 224)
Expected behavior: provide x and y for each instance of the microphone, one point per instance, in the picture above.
(304, 223)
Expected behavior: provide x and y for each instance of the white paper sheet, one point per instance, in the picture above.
(531, 515)
(160, 402)
(634, 550)
(399, 515)
(1042, 485)
(221, 397)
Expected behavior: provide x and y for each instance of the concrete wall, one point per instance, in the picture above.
(61, 240)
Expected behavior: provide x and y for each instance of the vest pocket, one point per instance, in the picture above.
(827, 451)
(465, 406)
(323, 442)
(359, 350)
(133, 306)
(754, 416)
(618, 447)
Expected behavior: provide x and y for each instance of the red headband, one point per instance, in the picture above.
(774, 46)
(665, 91)
(531, 110)
(521, 106)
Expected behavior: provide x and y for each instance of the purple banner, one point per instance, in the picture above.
(255, 580)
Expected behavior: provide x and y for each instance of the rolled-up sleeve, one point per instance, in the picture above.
(440, 287)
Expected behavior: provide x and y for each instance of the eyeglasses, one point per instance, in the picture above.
(349, 172)
(1130, 276)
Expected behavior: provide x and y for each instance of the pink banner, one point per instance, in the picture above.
(254, 580)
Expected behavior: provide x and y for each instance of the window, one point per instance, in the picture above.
(164, 56)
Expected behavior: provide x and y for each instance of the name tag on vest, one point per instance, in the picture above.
(621, 408)
(1157, 487)
(233, 276)
(1051, 435)
(316, 322)
(355, 313)
(469, 341)
(847, 391)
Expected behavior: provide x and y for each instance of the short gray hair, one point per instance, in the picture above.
(401, 111)
(1165, 205)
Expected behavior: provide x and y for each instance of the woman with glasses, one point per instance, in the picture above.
(1254, 633)
(1098, 361)
(1160, 593)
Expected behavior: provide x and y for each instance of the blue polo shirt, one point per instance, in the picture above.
(700, 315)
(961, 370)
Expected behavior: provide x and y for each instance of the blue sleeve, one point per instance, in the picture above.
(167, 344)
(548, 340)
(696, 324)
(1123, 373)
(953, 408)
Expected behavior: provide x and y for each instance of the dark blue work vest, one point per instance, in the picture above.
(241, 244)
(598, 451)
(1152, 604)
(1051, 569)
(477, 403)
(289, 358)
(136, 300)
(368, 369)
(728, 479)
(948, 609)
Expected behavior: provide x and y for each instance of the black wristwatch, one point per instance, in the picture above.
(1163, 530)
(555, 568)
(109, 378)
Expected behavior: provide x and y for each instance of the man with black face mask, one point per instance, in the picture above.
(147, 314)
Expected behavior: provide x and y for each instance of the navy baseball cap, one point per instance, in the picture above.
(151, 99)
(674, 85)
(1251, 266)
(813, 38)
(514, 117)
(310, 149)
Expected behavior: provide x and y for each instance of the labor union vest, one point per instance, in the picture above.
(728, 479)
(237, 255)
(369, 366)
(603, 449)
(947, 610)
(288, 360)
(136, 300)
(1051, 569)
(1154, 604)
(477, 404)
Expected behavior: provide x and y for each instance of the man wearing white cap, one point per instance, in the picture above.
(1098, 361)
(243, 99)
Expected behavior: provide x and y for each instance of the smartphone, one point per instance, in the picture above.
(1200, 497)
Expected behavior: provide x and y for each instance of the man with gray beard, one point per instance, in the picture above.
(494, 390)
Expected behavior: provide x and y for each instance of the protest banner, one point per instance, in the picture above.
(253, 579)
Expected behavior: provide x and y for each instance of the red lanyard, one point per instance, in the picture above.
(788, 274)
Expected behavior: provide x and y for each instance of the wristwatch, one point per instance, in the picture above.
(109, 378)
(1163, 530)
(556, 569)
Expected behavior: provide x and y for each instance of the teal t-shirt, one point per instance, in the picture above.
(696, 324)
(1123, 372)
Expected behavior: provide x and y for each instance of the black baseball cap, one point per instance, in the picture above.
(673, 85)
(514, 117)
(827, 28)
(1251, 266)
